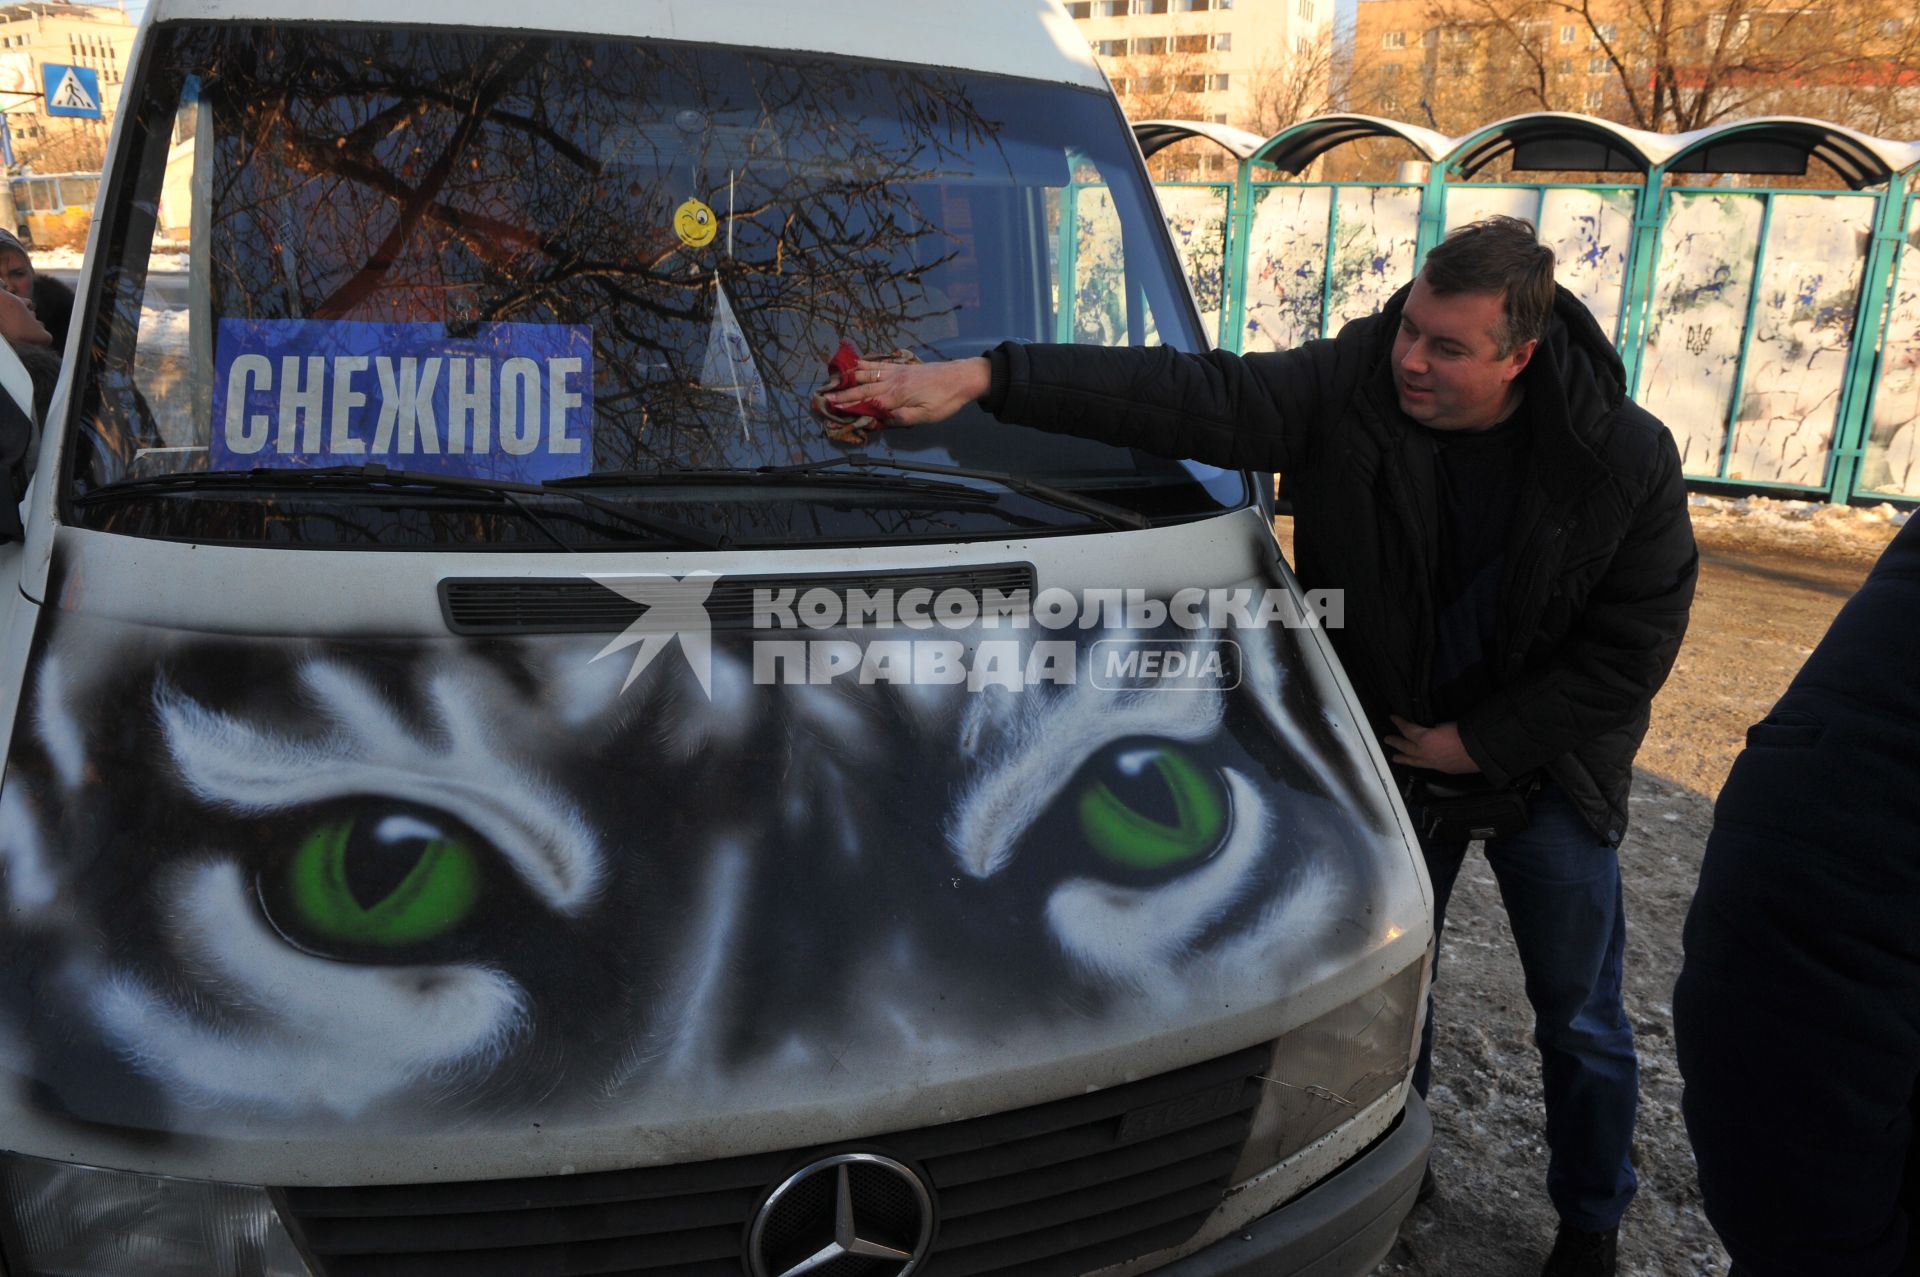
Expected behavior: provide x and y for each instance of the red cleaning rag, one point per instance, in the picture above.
(852, 423)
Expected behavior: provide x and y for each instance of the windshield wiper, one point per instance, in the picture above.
(866, 465)
(1106, 511)
(722, 475)
(373, 474)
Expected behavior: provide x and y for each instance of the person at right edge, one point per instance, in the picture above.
(1797, 1013)
(1511, 534)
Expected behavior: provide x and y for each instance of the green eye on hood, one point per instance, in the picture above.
(1152, 807)
(382, 879)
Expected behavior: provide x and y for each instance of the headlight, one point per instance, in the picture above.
(1329, 1069)
(61, 1220)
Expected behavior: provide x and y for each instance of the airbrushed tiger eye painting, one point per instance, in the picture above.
(263, 887)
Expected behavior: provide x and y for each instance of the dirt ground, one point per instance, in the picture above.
(1768, 589)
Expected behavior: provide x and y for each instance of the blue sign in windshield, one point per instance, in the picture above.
(509, 401)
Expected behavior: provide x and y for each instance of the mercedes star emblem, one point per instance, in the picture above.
(847, 1206)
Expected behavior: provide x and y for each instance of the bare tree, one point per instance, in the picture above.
(67, 146)
(1676, 65)
(1164, 83)
(1879, 90)
(1309, 80)
(1165, 78)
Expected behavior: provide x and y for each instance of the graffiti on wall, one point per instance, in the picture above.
(1588, 230)
(1197, 216)
(1893, 440)
(1801, 337)
(1471, 203)
(1376, 235)
(1286, 266)
(1749, 340)
(1300, 285)
(1693, 337)
(1099, 297)
(1758, 304)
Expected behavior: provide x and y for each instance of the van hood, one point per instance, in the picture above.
(326, 909)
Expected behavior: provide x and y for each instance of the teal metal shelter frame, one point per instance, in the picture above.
(1898, 229)
(1832, 460)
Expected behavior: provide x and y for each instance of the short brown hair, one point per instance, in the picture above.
(1498, 255)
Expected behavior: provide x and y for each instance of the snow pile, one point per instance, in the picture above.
(57, 258)
(1848, 533)
(1788, 516)
(71, 259)
(164, 332)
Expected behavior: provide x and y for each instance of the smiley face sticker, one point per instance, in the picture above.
(695, 224)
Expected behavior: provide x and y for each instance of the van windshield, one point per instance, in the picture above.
(519, 268)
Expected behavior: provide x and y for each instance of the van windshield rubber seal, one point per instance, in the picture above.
(374, 476)
(883, 470)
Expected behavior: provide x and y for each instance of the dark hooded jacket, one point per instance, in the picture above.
(53, 303)
(1797, 1014)
(1601, 562)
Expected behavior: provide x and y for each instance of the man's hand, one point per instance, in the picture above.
(1437, 749)
(915, 394)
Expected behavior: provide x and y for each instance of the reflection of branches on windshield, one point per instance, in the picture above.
(468, 179)
(496, 242)
(302, 163)
(343, 299)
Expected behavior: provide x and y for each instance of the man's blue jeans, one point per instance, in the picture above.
(1561, 886)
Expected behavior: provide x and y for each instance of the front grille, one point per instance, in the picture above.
(573, 605)
(1048, 1191)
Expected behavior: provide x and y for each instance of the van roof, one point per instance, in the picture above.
(1033, 39)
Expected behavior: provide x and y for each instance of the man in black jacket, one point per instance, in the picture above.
(1797, 1015)
(1511, 534)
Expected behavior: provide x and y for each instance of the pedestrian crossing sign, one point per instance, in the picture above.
(72, 91)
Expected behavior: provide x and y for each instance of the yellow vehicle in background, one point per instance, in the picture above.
(53, 210)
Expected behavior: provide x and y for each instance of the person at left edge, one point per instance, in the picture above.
(30, 341)
(50, 300)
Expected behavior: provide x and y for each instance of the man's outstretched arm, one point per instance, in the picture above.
(916, 394)
(1255, 412)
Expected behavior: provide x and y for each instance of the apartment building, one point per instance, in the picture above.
(1453, 65)
(1205, 59)
(52, 32)
(1415, 61)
